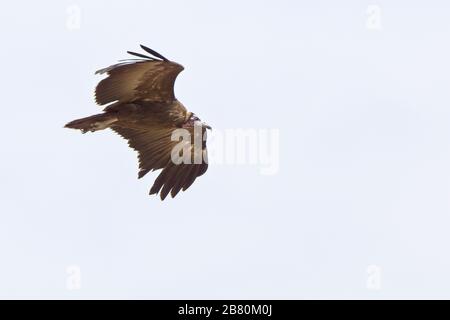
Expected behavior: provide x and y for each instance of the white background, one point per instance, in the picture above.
(364, 152)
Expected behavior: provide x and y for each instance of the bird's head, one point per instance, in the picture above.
(195, 121)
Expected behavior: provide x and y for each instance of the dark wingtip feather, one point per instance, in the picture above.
(153, 52)
(157, 185)
(143, 173)
(140, 55)
(179, 184)
(163, 195)
(191, 177)
(153, 190)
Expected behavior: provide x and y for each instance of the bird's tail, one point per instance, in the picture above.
(93, 123)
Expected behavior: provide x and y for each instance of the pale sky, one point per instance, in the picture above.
(358, 92)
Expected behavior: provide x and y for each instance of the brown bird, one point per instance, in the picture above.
(142, 108)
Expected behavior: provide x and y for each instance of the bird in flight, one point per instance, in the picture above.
(140, 105)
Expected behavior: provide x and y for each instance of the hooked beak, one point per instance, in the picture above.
(206, 126)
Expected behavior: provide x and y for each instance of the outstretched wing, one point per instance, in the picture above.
(150, 79)
(155, 147)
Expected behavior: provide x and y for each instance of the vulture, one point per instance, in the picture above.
(140, 105)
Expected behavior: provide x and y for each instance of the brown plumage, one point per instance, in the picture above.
(142, 108)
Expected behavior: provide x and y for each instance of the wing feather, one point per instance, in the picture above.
(154, 148)
(133, 80)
